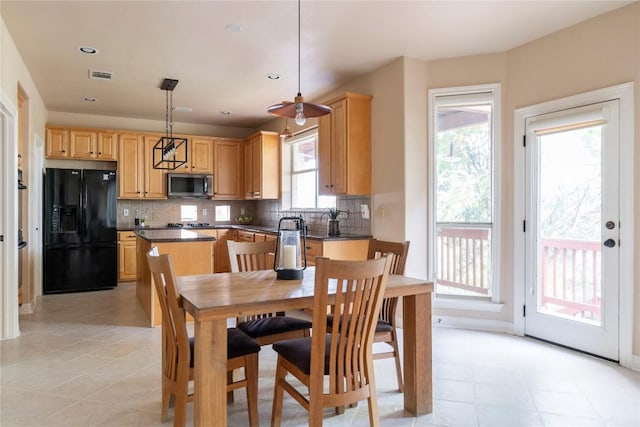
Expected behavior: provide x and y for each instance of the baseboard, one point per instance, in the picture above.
(635, 362)
(27, 308)
(474, 324)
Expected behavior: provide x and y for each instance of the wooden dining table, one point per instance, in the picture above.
(213, 298)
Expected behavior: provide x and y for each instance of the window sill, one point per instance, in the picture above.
(468, 305)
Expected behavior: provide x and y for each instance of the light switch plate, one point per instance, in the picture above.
(125, 212)
(364, 210)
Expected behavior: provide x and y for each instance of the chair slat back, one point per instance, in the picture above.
(174, 326)
(251, 256)
(359, 288)
(398, 252)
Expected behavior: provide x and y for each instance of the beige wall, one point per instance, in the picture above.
(602, 52)
(14, 74)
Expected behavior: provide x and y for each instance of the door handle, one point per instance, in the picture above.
(610, 243)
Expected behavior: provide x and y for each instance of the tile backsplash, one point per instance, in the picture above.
(158, 213)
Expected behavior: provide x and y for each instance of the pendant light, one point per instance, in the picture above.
(286, 132)
(298, 110)
(165, 152)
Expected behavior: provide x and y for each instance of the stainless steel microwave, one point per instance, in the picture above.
(189, 185)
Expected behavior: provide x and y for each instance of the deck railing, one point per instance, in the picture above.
(570, 277)
(463, 258)
(569, 273)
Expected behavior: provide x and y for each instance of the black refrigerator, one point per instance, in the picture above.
(80, 252)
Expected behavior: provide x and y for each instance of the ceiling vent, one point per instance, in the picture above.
(100, 75)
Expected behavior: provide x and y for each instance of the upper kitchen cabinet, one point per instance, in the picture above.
(81, 144)
(137, 179)
(227, 169)
(344, 148)
(262, 166)
(199, 155)
(57, 144)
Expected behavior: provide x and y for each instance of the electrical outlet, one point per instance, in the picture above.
(243, 211)
(364, 210)
(204, 212)
(125, 212)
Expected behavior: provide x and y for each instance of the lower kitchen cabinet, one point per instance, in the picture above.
(126, 256)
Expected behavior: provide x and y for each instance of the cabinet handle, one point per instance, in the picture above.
(131, 235)
(64, 151)
(99, 153)
(326, 186)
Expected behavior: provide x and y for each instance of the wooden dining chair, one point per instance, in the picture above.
(343, 352)
(386, 328)
(177, 348)
(265, 328)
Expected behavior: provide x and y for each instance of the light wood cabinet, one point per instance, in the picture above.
(348, 250)
(57, 143)
(199, 155)
(81, 144)
(137, 179)
(222, 251)
(227, 169)
(262, 166)
(126, 256)
(344, 146)
(245, 236)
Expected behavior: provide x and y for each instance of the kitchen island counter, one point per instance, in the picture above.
(191, 253)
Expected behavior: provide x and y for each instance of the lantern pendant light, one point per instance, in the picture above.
(166, 153)
(298, 110)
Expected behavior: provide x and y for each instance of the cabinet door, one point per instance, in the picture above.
(245, 236)
(130, 167)
(324, 155)
(201, 153)
(57, 144)
(107, 146)
(249, 191)
(222, 264)
(82, 144)
(227, 178)
(339, 148)
(127, 260)
(155, 180)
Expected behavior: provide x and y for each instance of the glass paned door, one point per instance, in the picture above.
(573, 235)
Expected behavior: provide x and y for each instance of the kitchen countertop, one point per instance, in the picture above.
(269, 229)
(172, 235)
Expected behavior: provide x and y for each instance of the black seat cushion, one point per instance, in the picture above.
(272, 325)
(381, 325)
(238, 344)
(298, 352)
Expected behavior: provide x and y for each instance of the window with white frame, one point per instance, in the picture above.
(304, 173)
(464, 203)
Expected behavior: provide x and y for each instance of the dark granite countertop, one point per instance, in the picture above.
(268, 229)
(172, 235)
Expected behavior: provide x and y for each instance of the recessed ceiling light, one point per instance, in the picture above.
(225, 113)
(89, 50)
(273, 76)
(233, 28)
(90, 99)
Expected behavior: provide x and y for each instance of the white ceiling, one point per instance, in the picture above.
(142, 42)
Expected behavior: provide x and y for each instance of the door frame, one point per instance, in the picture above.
(624, 93)
(9, 327)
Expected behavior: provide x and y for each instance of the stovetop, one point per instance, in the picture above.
(188, 225)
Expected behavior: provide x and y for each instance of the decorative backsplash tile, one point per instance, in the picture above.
(158, 213)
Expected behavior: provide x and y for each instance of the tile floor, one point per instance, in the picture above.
(86, 360)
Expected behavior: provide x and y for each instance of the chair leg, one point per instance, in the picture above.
(251, 374)
(166, 397)
(230, 392)
(372, 400)
(394, 344)
(180, 413)
(278, 395)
